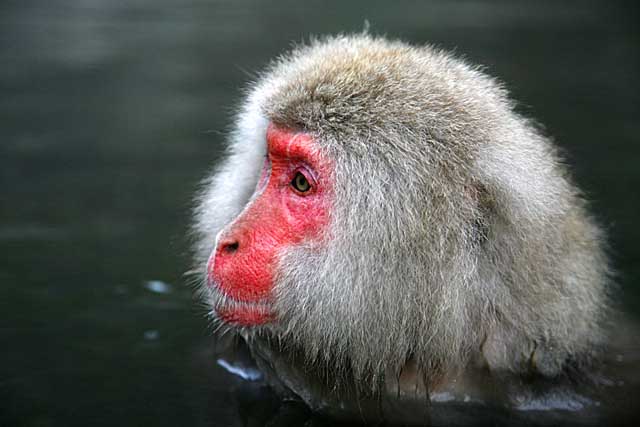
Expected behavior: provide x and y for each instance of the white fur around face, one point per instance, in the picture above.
(227, 191)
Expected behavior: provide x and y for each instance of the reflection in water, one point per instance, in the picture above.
(112, 111)
(158, 286)
(249, 373)
(601, 399)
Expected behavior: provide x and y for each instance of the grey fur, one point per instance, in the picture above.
(456, 232)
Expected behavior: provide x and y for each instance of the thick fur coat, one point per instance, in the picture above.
(456, 233)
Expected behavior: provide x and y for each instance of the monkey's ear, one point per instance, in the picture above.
(482, 214)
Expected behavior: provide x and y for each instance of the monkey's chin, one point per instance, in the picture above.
(246, 315)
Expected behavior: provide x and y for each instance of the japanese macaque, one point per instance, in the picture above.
(383, 209)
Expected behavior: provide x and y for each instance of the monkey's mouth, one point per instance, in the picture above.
(238, 312)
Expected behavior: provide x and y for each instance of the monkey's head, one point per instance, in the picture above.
(381, 202)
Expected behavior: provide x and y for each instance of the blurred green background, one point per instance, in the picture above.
(111, 111)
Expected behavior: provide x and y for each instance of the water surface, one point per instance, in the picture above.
(112, 111)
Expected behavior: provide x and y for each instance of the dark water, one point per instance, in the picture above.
(110, 113)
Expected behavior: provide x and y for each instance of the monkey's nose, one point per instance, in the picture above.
(229, 246)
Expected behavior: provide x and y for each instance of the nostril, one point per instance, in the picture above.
(230, 247)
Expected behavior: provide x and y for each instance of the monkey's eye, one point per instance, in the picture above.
(300, 183)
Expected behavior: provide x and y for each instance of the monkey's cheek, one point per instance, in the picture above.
(246, 315)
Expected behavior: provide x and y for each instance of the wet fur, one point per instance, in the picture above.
(457, 236)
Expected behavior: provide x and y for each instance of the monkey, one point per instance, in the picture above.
(382, 209)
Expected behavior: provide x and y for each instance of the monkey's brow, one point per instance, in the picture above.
(290, 144)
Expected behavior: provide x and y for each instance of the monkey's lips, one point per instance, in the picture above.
(240, 312)
(243, 313)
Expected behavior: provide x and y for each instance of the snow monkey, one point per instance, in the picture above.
(382, 206)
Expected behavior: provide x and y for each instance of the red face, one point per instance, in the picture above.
(291, 205)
